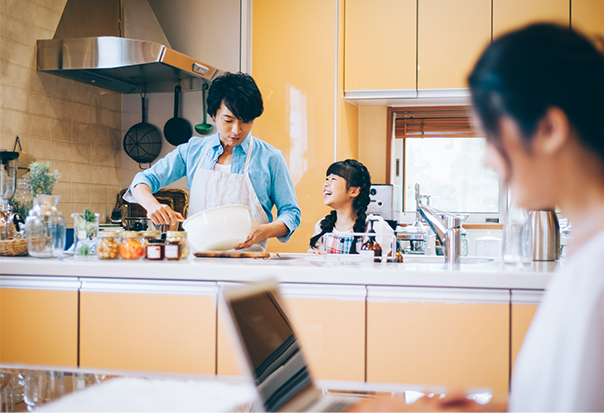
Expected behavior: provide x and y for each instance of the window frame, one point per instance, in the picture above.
(476, 220)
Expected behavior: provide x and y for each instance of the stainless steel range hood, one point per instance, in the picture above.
(118, 45)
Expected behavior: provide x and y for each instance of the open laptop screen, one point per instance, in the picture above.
(272, 349)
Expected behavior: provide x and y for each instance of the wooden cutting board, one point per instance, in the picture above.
(232, 254)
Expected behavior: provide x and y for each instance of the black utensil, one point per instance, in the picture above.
(177, 130)
(143, 140)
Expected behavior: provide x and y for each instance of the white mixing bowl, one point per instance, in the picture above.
(218, 229)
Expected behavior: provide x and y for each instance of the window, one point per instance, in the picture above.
(438, 148)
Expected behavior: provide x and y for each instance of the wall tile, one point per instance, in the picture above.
(15, 122)
(84, 113)
(62, 151)
(40, 127)
(98, 194)
(61, 88)
(39, 104)
(55, 5)
(81, 153)
(64, 169)
(19, 9)
(16, 30)
(14, 98)
(18, 53)
(82, 173)
(80, 193)
(110, 101)
(40, 148)
(38, 33)
(40, 82)
(61, 130)
(43, 17)
(82, 133)
(62, 109)
(63, 189)
(85, 94)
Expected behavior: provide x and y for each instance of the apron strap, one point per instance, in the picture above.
(249, 155)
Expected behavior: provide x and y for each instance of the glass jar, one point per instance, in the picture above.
(177, 246)
(85, 230)
(463, 246)
(149, 235)
(45, 228)
(155, 249)
(108, 245)
(131, 247)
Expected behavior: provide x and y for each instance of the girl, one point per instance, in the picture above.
(346, 190)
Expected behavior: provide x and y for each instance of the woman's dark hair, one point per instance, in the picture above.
(356, 175)
(240, 95)
(524, 73)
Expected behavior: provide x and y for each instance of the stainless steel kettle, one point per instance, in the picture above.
(545, 235)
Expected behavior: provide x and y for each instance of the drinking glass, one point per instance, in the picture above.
(7, 395)
(56, 385)
(36, 384)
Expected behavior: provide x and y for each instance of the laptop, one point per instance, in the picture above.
(272, 352)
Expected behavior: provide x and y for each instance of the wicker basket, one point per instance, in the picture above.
(12, 247)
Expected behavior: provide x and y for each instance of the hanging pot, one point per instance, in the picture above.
(143, 140)
(177, 130)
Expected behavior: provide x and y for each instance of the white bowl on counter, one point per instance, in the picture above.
(219, 229)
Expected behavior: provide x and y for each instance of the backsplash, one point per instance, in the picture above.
(75, 127)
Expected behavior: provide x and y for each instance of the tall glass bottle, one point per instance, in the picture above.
(517, 247)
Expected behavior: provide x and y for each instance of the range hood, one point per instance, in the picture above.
(118, 45)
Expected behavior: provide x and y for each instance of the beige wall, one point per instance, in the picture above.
(373, 141)
(77, 128)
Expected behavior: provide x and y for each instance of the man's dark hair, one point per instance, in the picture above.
(240, 95)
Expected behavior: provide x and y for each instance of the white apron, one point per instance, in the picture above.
(211, 189)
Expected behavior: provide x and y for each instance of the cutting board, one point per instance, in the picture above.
(232, 254)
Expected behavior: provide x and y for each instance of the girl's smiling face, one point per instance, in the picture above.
(335, 192)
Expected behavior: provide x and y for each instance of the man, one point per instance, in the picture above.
(227, 168)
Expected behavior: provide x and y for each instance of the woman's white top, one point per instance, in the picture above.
(560, 366)
(384, 234)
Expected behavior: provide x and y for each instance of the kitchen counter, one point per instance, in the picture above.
(297, 268)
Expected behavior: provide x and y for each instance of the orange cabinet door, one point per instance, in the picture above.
(524, 306)
(588, 16)
(39, 320)
(451, 36)
(330, 322)
(380, 47)
(453, 337)
(513, 14)
(163, 326)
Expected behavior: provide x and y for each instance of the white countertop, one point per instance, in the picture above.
(295, 268)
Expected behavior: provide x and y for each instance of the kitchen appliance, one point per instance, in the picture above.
(177, 130)
(545, 235)
(121, 48)
(381, 203)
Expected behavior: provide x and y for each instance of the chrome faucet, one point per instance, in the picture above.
(447, 230)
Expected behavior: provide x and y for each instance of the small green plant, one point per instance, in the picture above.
(86, 227)
(41, 180)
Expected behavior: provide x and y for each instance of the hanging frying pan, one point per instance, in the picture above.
(177, 130)
(143, 140)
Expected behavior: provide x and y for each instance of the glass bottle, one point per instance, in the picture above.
(517, 248)
(45, 228)
(85, 230)
(371, 249)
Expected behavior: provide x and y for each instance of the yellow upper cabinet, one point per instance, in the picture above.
(380, 45)
(512, 14)
(588, 16)
(451, 36)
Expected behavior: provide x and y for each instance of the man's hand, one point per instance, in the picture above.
(160, 214)
(260, 232)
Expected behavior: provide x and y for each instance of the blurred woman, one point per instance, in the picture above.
(538, 96)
